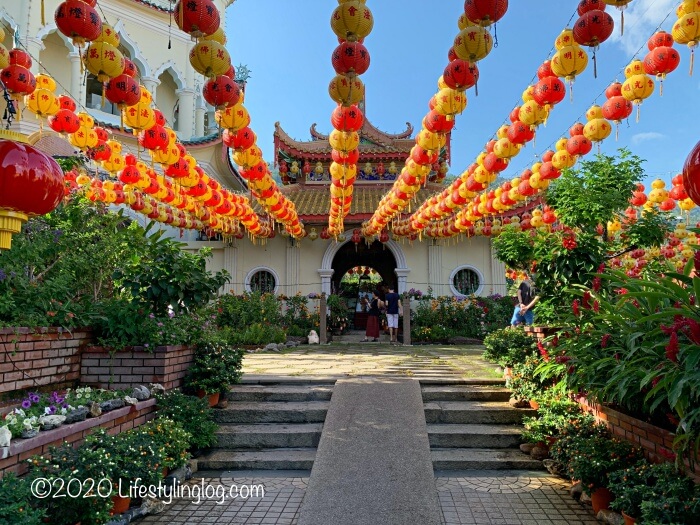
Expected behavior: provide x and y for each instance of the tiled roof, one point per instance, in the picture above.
(310, 201)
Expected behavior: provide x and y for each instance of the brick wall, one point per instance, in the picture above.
(13, 458)
(166, 365)
(31, 359)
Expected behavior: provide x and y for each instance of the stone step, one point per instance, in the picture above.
(461, 381)
(474, 412)
(273, 412)
(482, 459)
(465, 393)
(269, 435)
(474, 436)
(283, 392)
(264, 459)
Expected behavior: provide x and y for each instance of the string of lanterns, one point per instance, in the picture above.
(352, 22)
(473, 43)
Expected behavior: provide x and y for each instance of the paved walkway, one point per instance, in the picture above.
(350, 359)
(373, 463)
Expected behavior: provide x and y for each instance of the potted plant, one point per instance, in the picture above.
(17, 503)
(674, 498)
(593, 458)
(633, 485)
(524, 384)
(169, 442)
(207, 376)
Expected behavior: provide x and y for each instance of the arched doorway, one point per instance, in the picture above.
(387, 259)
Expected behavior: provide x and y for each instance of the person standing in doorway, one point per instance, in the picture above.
(372, 331)
(393, 310)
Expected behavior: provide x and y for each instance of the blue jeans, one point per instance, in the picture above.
(527, 318)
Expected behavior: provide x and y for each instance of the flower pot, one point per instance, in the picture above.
(213, 399)
(600, 499)
(120, 505)
(628, 519)
(534, 404)
(551, 440)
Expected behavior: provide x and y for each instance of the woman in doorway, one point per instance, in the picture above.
(372, 332)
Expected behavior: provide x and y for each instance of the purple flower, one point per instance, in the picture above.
(151, 316)
(26, 404)
(34, 397)
(52, 409)
(171, 314)
(146, 345)
(160, 324)
(3, 275)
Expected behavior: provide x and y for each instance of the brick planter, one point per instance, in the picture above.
(541, 332)
(13, 458)
(656, 443)
(41, 357)
(166, 365)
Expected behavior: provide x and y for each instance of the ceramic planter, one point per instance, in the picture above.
(628, 519)
(121, 505)
(600, 499)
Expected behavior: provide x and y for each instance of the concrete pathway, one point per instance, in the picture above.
(373, 463)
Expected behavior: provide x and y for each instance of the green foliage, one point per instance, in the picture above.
(165, 276)
(259, 334)
(675, 499)
(597, 191)
(238, 312)
(508, 346)
(216, 366)
(91, 460)
(524, 383)
(639, 483)
(593, 458)
(17, 504)
(635, 342)
(338, 318)
(192, 413)
(297, 319)
(571, 433)
(556, 411)
(514, 248)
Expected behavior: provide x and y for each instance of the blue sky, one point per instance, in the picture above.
(288, 45)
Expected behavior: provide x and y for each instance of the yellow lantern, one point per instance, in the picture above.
(233, 118)
(210, 58)
(247, 158)
(42, 103)
(597, 130)
(532, 114)
(686, 204)
(505, 149)
(344, 140)
(528, 94)
(146, 97)
(562, 159)
(84, 138)
(352, 21)
(473, 43)
(638, 85)
(449, 101)
(686, 31)
(345, 90)
(343, 171)
(569, 61)
(115, 162)
(86, 120)
(4, 56)
(139, 117)
(45, 82)
(108, 35)
(463, 22)
(218, 36)
(502, 132)
(430, 141)
(688, 6)
(104, 60)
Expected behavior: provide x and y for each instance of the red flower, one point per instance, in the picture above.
(543, 350)
(601, 268)
(596, 306)
(605, 340)
(575, 308)
(586, 301)
(621, 291)
(655, 381)
(569, 243)
(672, 348)
(596, 284)
(563, 359)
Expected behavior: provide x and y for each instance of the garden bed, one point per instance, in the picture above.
(13, 458)
(166, 365)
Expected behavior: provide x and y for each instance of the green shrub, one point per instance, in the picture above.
(238, 312)
(17, 504)
(509, 346)
(524, 383)
(192, 413)
(556, 411)
(217, 365)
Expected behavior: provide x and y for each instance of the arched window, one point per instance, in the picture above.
(263, 280)
(465, 281)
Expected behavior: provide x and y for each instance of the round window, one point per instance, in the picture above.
(263, 281)
(466, 281)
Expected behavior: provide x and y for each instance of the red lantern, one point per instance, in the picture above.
(197, 17)
(592, 29)
(519, 133)
(221, 92)
(65, 102)
(660, 39)
(423, 157)
(356, 236)
(123, 91)
(514, 114)
(154, 138)
(384, 237)
(438, 123)
(100, 152)
(576, 129)
(18, 80)
(494, 164)
(661, 61)
(617, 109)
(691, 174)
(545, 70)
(351, 157)
(350, 58)
(579, 145)
(460, 74)
(585, 6)
(31, 184)
(243, 139)
(78, 21)
(19, 57)
(130, 68)
(348, 118)
(65, 121)
(485, 12)
(614, 90)
(548, 171)
(451, 55)
(549, 91)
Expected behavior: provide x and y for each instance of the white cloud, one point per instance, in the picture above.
(649, 135)
(642, 17)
